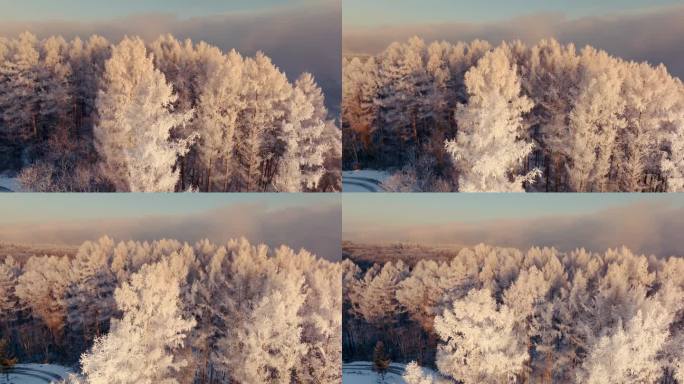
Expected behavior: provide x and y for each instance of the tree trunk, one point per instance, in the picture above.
(227, 181)
(208, 189)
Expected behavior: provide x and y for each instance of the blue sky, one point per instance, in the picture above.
(88, 10)
(42, 208)
(367, 13)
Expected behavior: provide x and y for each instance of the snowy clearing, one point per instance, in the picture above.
(363, 180)
(361, 372)
(9, 184)
(35, 374)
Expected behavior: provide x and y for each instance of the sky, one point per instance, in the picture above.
(646, 223)
(311, 221)
(89, 10)
(299, 35)
(632, 29)
(387, 12)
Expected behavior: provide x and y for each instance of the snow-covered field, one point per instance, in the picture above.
(361, 372)
(35, 374)
(363, 180)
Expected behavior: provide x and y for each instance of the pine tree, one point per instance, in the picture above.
(313, 145)
(135, 120)
(629, 354)
(219, 107)
(140, 347)
(9, 302)
(53, 87)
(42, 286)
(261, 334)
(488, 149)
(359, 111)
(321, 315)
(594, 122)
(381, 362)
(86, 61)
(265, 93)
(402, 99)
(18, 88)
(552, 84)
(90, 297)
(374, 298)
(479, 343)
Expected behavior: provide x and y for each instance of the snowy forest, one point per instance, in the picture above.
(169, 312)
(90, 116)
(504, 315)
(477, 117)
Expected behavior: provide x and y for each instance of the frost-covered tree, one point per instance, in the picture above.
(313, 144)
(261, 340)
(54, 92)
(551, 84)
(374, 298)
(594, 122)
(424, 292)
(42, 286)
(18, 87)
(489, 148)
(629, 354)
(135, 120)
(266, 91)
(414, 374)
(539, 315)
(321, 316)
(217, 113)
(332, 159)
(288, 177)
(174, 115)
(140, 347)
(672, 163)
(279, 318)
(402, 100)
(479, 341)
(638, 132)
(359, 112)
(90, 297)
(9, 302)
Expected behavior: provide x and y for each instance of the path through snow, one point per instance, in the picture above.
(361, 372)
(34, 374)
(364, 180)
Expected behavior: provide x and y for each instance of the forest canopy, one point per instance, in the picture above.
(167, 115)
(504, 315)
(169, 312)
(512, 117)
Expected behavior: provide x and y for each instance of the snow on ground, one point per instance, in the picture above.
(361, 372)
(9, 184)
(35, 374)
(363, 180)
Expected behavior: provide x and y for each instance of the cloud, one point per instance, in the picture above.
(315, 228)
(645, 227)
(653, 35)
(301, 37)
